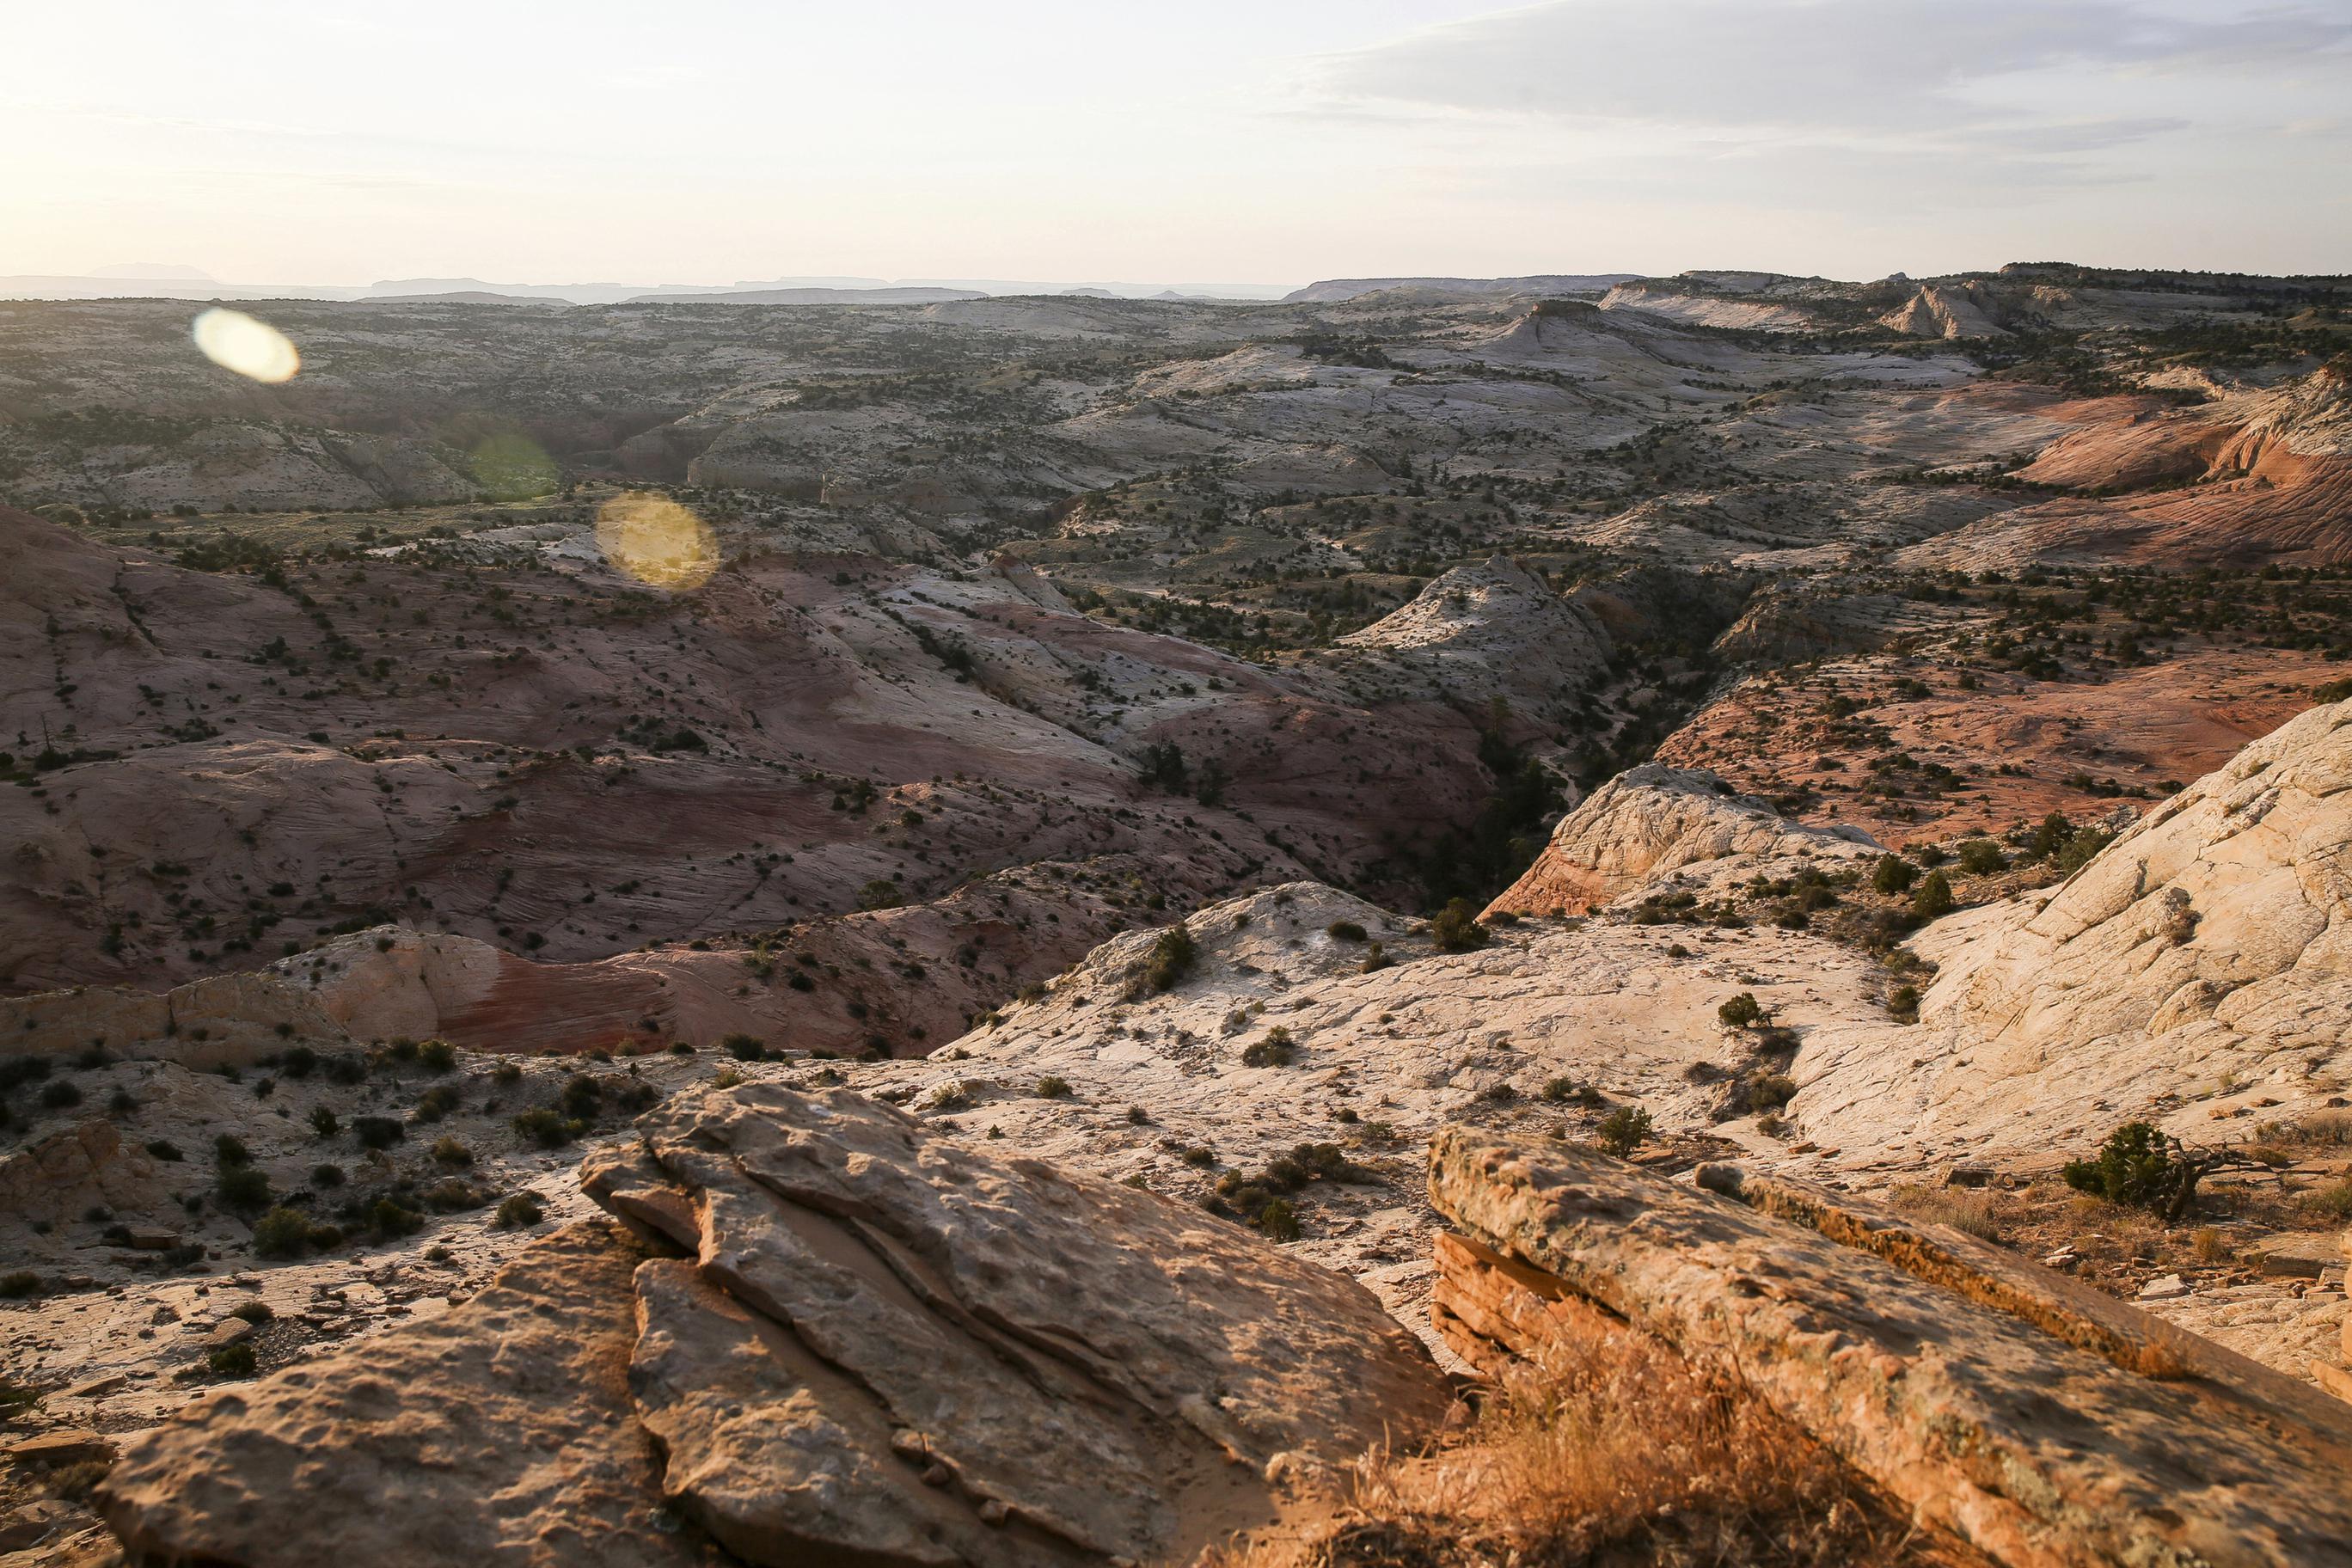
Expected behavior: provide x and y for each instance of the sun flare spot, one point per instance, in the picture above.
(235, 341)
(656, 541)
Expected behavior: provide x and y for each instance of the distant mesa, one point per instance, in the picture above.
(154, 272)
(811, 296)
(1332, 291)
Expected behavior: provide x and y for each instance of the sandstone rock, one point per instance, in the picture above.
(889, 1345)
(1651, 821)
(66, 1171)
(2212, 940)
(500, 1432)
(2036, 1450)
(60, 1445)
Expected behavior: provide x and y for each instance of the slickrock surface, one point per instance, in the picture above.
(1650, 821)
(2035, 1450)
(2198, 969)
(499, 1432)
(928, 1354)
(880, 1347)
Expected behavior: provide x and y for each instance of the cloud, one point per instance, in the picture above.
(1856, 67)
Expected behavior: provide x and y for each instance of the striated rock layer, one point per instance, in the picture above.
(823, 1335)
(1997, 1400)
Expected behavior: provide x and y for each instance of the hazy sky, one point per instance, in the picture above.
(1277, 141)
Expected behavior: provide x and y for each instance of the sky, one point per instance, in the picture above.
(1189, 141)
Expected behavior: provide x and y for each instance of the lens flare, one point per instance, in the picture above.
(656, 541)
(235, 341)
(513, 467)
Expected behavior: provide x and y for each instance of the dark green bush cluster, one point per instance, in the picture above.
(377, 1132)
(286, 1232)
(1261, 1199)
(1456, 928)
(1624, 1129)
(1346, 931)
(2141, 1167)
(1275, 1049)
(1171, 959)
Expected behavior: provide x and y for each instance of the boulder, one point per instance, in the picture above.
(1653, 821)
(809, 1331)
(1992, 1397)
(886, 1345)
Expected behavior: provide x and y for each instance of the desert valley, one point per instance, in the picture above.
(1437, 922)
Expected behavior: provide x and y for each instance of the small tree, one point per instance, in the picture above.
(1741, 1011)
(1934, 899)
(1456, 928)
(1624, 1129)
(1893, 874)
(1172, 958)
(2144, 1167)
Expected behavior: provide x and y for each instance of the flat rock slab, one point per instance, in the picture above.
(1969, 1393)
(886, 1346)
(500, 1433)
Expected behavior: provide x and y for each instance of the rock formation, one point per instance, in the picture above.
(2045, 1424)
(1651, 822)
(829, 1336)
(2195, 968)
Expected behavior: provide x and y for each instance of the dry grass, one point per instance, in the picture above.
(1633, 1461)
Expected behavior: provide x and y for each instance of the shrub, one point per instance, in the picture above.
(546, 1128)
(1456, 928)
(1934, 899)
(438, 1101)
(1277, 1220)
(61, 1093)
(377, 1132)
(1376, 959)
(165, 1149)
(298, 1061)
(282, 1233)
(1903, 1003)
(506, 1074)
(1171, 958)
(19, 1283)
(242, 1187)
(324, 1121)
(1276, 1049)
(1346, 931)
(1053, 1088)
(230, 1150)
(580, 1099)
(1624, 1129)
(745, 1047)
(326, 1176)
(1982, 857)
(448, 1151)
(1893, 874)
(1740, 1011)
(518, 1209)
(390, 1220)
(233, 1361)
(437, 1056)
(2141, 1167)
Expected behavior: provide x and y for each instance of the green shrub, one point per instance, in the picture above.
(438, 1101)
(377, 1132)
(282, 1233)
(437, 1056)
(233, 1361)
(1903, 1003)
(1893, 874)
(518, 1209)
(61, 1093)
(165, 1149)
(324, 1122)
(1981, 857)
(1740, 1011)
(1934, 899)
(506, 1074)
(1277, 1221)
(1275, 1049)
(448, 1151)
(1053, 1088)
(580, 1099)
(546, 1128)
(1376, 958)
(2140, 1167)
(242, 1187)
(1624, 1129)
(1346, 931)
(1456, 928)
(390, 1221)
(745, 1047)
(19, 1283)
(1171, 959)
(326, 1176)
(230, 1150)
